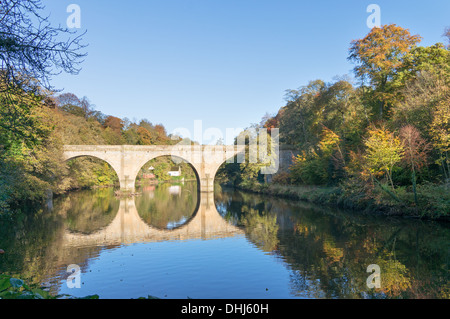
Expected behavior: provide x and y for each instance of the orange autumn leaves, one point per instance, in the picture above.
(379, 57)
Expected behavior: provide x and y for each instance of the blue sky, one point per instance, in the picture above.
(225, 62)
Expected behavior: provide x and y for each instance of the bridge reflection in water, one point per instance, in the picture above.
(129, 228)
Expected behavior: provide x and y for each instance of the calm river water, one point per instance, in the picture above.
(171, 242)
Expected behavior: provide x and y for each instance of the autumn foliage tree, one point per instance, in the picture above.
(145, 137)
(382, 132)
(379, 56)
(383, 151)
(114, 123)
(416, 152)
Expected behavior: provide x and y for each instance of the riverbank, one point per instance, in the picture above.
(434, 203)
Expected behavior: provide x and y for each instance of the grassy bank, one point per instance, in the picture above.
(434, 200)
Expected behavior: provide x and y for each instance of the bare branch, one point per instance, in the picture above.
(32, 47)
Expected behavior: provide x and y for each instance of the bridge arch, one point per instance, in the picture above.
(145, 161)
(97, 157)
(183, 206)
(127, 160)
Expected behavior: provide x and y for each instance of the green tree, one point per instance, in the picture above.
(440, 132)
(131, 135)
(298, 122)
(433, 59)
(313, 167)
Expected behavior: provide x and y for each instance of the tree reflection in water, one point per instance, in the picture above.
(87, 214)
(328, 251)
(167, 205)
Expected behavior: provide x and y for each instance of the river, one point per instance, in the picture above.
(172, 242)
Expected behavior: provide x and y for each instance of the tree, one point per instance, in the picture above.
(18, 120)
(340, 110)
(114, 123)
(422, 95)
(383, 152)
(31, 162)
(416, 152)
(70, 103)
(379, 56)
(334, 102)
(113, 131)
(318, 165)
(423, 81)
(434, 59)
(31, 51)
(300, 114)
(145, 137)
(32, 48)
(270, 121)
(161, 133)
(440, 132)
(131, 135)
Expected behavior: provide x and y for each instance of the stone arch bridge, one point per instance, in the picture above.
(127, 160)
